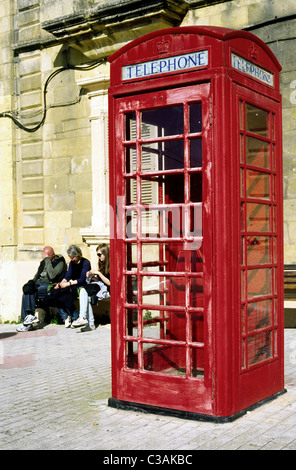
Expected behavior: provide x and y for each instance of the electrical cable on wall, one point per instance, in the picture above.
(45, 109)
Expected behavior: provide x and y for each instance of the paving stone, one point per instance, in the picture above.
(55, 384)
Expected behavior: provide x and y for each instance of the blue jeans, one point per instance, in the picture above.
(29, 300)
(65, 313)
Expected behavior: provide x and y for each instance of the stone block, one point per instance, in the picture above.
(33, 219)
(31, 100)
(32, 185)
(28, 17)
(56, 184)
(57, 219)
(29, 65)
(31, 150)
(23, 4)
(40, 314)
(32, 82)
(78, 183)
(31, 203)
(33, 236)
(60, 201)
(81, 218)
(61, 165)
(32, 168)
(29, 33)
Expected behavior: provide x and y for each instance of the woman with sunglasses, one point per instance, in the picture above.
(86, 316)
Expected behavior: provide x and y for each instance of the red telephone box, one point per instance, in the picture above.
(196, 197)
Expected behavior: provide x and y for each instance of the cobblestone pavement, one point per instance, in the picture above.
(55, 383)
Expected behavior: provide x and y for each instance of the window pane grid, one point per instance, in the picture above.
(258, 235)
(164, 320)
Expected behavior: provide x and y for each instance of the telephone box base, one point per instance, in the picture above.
(126, 405)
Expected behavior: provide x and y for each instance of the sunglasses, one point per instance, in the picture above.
(99, 254)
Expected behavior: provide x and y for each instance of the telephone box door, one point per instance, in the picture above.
(163, 352)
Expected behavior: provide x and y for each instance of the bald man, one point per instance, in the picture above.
(52, 269)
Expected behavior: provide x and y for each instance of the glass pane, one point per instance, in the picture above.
(164, 290)
(242, 216)
(195, 117)
(243, 319)
(259, 315)
(131, 289)
(165, 359)
(241, 115)
(258, 184)
(243, 285)
(196, 187)
(256, 120)
(197, 327)
(196, 258)
(259, 348)
(243, 242)
(163, 223)
(154, 324)
(258, 250)
(197, 362)
(275, 250)
(158, 189)
(172, 188)
(153, 257)
(196, 292)
(242, 149)
(243, 356)
(131, 224)
(259, 282)
(161, 156)
(164, 325)
(131, 256)
(196, 153)
(196, 222)
(257, 153)
(130, 191)
(151, 156)
(130, 126)
(258, 217)
(130, 159)
(162, 122)
(131, 322)
(242, 182)
(131, 355)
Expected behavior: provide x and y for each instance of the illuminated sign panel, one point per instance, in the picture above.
(244, 66)
(165, 65)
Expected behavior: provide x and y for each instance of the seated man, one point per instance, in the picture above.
(65, 292)
(51, 270)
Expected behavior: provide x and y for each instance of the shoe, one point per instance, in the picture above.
(88, 328)
(24, 328)
(79, 322)
(30, 320)
(68, 322)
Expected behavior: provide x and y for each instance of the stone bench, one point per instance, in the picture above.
(101, 312)
(290, 295)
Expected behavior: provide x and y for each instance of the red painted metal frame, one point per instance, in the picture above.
(231, 389)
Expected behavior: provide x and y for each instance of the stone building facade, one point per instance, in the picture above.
(54, 80)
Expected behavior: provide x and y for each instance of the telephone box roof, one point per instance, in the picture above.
(217, 32)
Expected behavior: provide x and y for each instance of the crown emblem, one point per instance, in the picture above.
(162, 46)
(253, 52)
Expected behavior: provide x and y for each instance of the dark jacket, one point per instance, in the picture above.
(51, 271)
